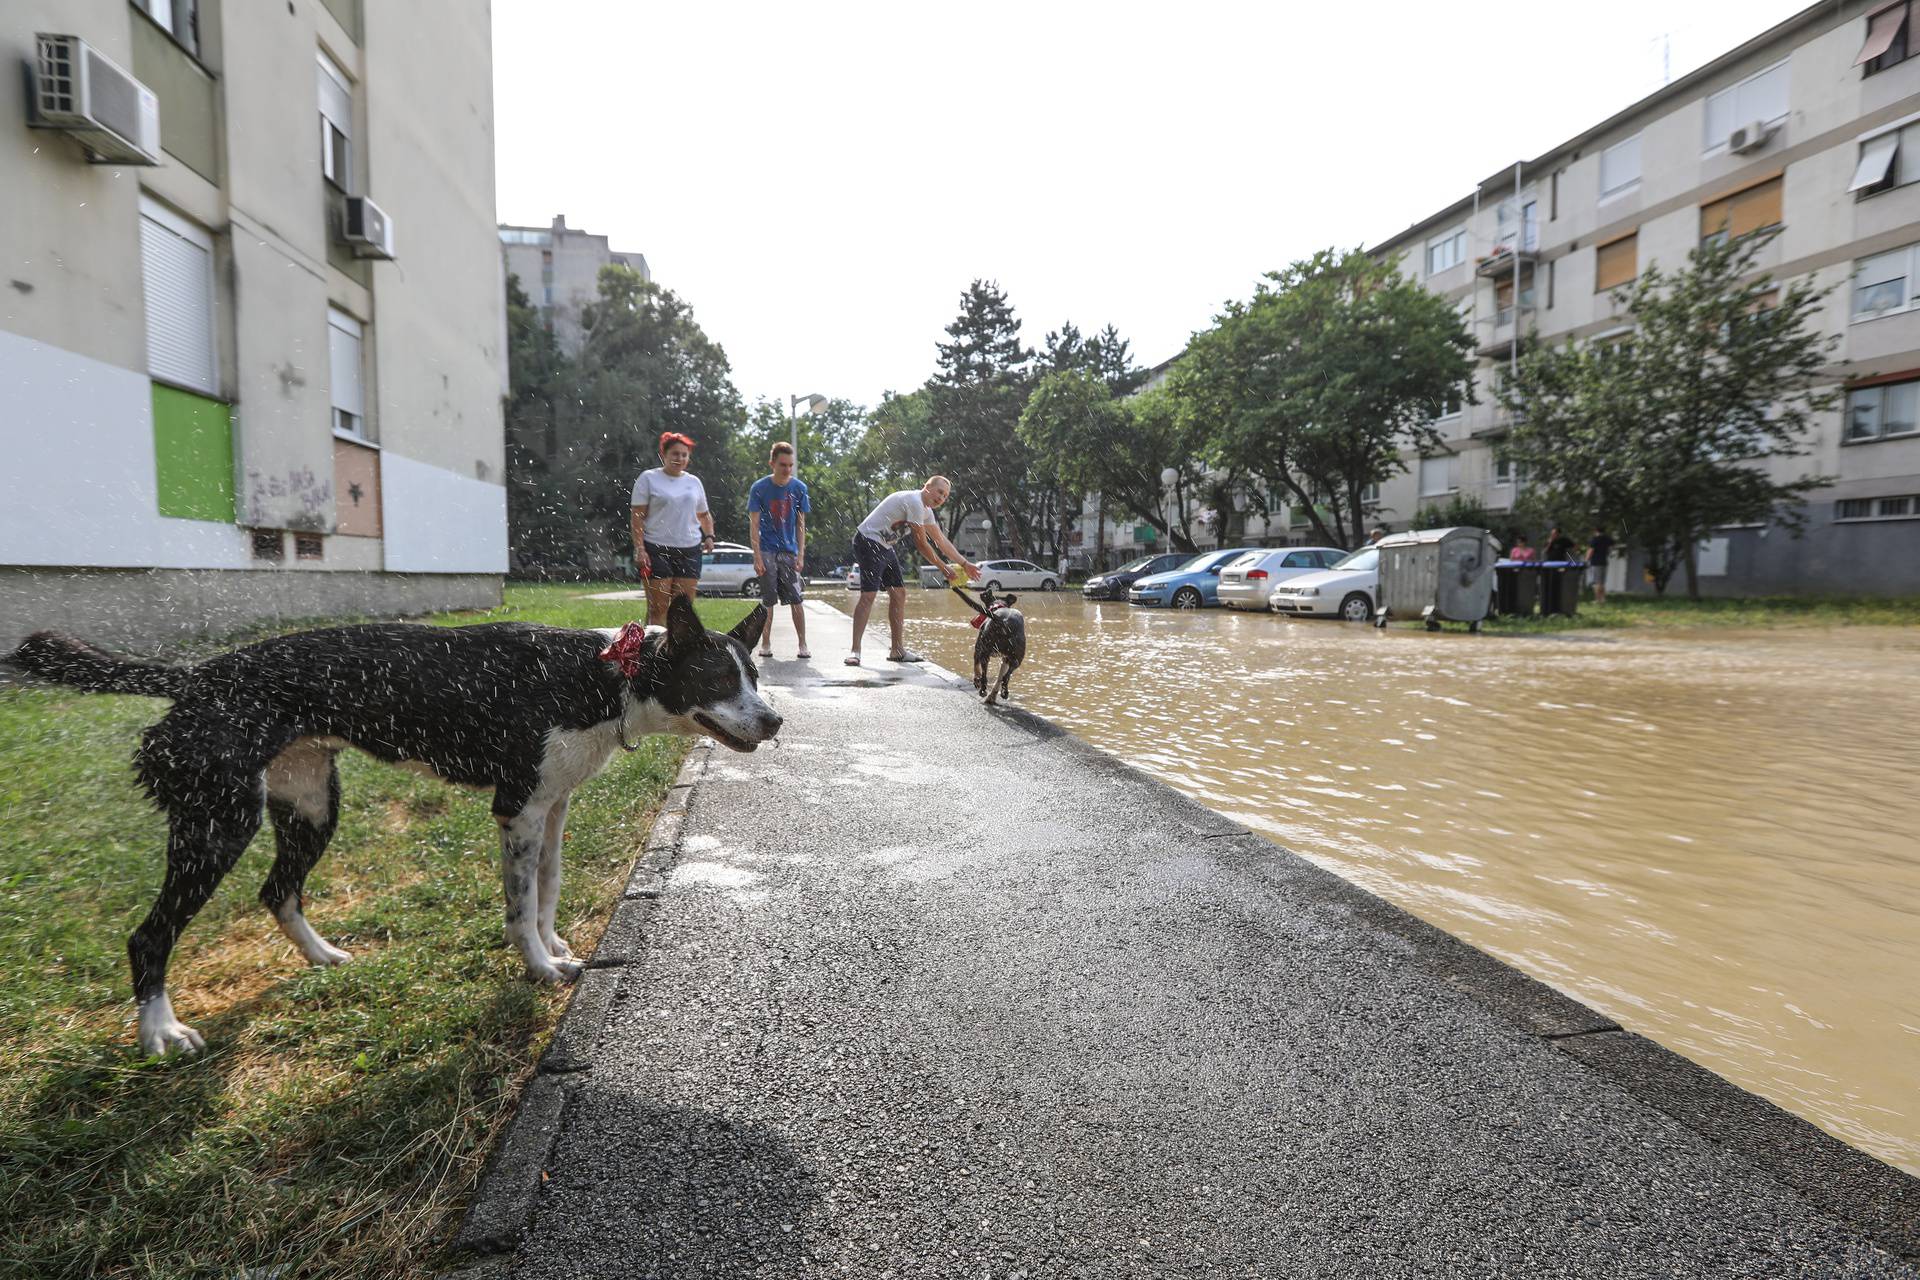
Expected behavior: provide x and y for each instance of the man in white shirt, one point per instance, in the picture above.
(907, 511)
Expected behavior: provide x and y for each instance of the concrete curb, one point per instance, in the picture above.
(509, 1187)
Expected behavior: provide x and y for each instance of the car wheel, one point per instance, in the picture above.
(751, 587)
(1049, 584)
(1356, 607)
(993, 586)
(1187, 598)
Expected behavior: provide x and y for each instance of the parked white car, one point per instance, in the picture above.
(1016, 575)
(1248, 583)
(1346, 591)
(728, 567)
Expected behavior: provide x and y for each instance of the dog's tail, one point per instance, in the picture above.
(64, 660)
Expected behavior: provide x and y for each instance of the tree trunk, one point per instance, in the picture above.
(1100, 535)
(1693, 569)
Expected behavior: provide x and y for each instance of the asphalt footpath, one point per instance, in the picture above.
(929, 989)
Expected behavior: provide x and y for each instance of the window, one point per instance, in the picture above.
(1620, 167)
(524, 235)
(1616, 262)
(1447, 251)
(1744, 212)
(269, 544)
(1436, 476)
(1900, 507)
(178, 18)
(1503, 298)
(176, 267)
(1529, 227)
(1507, 471)
(1889, 158)
(1371, 493)
(1875, 413)
(1885, 283)
(1889, 38)
(344, 383)
(1760, 97)
(1450, 408)
(336, 125)
(309, 546)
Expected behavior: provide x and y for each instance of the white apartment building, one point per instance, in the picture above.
(252, 334)
(1814, 127)
(559, 267)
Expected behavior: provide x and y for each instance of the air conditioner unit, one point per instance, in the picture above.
(365, 226)
(76, 90)
(1750, 137)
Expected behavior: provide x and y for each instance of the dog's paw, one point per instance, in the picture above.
(159, 1038)
(557, 947)
(556, 973)
(325, 955)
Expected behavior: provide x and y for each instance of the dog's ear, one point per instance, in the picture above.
(749, 628)
(1006, 600)
(684, 631)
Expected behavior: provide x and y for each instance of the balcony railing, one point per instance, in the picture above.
(1501, 261)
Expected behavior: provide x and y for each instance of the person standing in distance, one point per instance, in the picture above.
(909, 510)
(1599, 553)
(777, 507)
(671, 527)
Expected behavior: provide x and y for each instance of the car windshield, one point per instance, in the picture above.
(1364, 558)
(1250, 558)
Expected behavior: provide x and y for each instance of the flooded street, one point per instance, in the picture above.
(1713, 838)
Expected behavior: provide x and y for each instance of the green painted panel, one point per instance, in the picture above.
(189, 125)
(193, 455)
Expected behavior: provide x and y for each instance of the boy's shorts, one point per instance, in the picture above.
(879, 566)
(780, 584)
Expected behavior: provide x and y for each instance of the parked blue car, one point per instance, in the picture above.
(1194, 585)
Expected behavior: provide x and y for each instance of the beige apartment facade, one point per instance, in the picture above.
(1813, 127)
(262, 374)
(559, 268)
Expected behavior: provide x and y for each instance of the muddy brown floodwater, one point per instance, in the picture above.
(1712, 837)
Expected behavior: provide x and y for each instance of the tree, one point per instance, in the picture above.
(647, 367)
(543, 479)
(1092, 442)
(974, 403)
(1316, 385)
(1675, 432)
(828, 445)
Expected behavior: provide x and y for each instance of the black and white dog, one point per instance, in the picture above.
(1003, 634)
(530, 712)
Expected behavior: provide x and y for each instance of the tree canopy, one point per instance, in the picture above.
(1684, 426)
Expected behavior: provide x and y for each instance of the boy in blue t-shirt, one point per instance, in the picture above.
(777, 509)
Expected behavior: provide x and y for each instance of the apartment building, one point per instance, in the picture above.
(559, 267)
(252, 335)
(1813, 127)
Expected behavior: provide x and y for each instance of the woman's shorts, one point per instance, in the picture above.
(674, 562)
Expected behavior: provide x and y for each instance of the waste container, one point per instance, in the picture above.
(1560, 586)
(1439, 575)
(1516, 588)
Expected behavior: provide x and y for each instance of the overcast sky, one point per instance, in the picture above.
(822, 181)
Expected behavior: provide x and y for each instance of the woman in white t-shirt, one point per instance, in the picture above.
(671, 526)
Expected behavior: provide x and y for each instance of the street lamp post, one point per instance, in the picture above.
(815, 403)
(1169, 478)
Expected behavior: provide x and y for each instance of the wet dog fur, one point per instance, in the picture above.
(529, 712)
(1003, 635)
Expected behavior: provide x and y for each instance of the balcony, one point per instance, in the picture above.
(1502, 260)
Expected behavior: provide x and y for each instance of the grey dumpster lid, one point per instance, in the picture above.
(1416, 537)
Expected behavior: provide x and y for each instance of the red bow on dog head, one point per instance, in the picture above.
(628, 649)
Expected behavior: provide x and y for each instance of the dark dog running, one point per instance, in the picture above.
(530, 712)
(1003, 634)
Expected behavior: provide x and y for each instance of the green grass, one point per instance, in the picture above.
(1648, 612)
(339, 1116)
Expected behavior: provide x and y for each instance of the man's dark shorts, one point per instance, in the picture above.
(781, 582)
(879, 566)
(674, 562)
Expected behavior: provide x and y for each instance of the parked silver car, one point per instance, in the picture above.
(1248, 582)
(728, 568)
